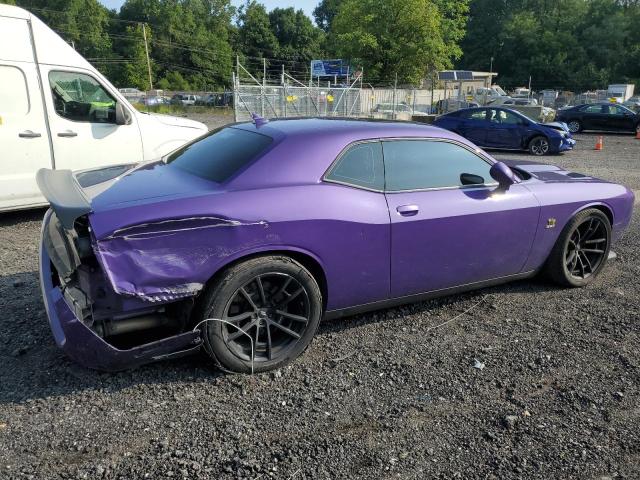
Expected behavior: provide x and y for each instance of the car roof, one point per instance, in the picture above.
(304, 148)
(356, 129)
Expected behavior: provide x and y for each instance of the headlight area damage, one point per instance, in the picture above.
(124, 299)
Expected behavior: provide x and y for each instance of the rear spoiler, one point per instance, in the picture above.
(65, 195)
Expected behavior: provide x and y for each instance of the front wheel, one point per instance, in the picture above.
(539, 146)
(582, 249)
(263, 314)
(574, 126)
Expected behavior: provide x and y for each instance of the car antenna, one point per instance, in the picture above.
(257, 120)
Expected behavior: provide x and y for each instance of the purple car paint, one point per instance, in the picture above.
(158, 234)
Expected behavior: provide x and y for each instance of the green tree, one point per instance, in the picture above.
(297, 37)
(256, 39)
(84, 23)
(325, 12)
(190, 36)
(595, 45)
(404, 37)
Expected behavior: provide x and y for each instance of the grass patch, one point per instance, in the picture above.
(183, 109)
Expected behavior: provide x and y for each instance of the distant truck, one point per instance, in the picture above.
(620, 92)
(57, 111)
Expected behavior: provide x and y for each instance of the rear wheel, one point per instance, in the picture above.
(269, 310)
(574, 126)
(539, 146)
(581, 251)
(637, 129)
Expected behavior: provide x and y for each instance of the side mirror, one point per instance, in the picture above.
(503, 175)
(471, 179)
(122, 115)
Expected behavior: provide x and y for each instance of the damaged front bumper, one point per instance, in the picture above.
(83, 345)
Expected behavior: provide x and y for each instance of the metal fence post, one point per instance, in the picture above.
(395, 87)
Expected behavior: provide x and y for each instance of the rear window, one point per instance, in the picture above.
(221, 154)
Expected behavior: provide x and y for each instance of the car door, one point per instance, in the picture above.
(24, 140)
(619, 118)
(445, 234)
(505, 129)
(82, 118)
(593, 117)
(473, 125)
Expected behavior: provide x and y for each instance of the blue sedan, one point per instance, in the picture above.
(502, 128)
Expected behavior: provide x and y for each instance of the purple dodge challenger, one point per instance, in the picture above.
(240, 242)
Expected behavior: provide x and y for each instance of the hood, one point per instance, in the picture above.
(560, 126)
(172, 121)
(548, 173)
(146, 183)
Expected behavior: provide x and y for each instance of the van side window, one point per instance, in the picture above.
(80, 98)
(14, 97)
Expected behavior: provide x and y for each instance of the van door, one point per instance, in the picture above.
(83, 122)
(24, 140)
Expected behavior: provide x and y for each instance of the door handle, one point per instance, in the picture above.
(408, 210)
(68, 133)
(29, 134)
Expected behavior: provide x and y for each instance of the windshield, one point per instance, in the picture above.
(221, 154)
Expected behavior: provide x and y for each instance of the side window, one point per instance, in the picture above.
(14, 97)
(421, 164)
(479, 115)
(361, 166)
(615, 110)
(509, 118)
(81, 98)
(592, 109)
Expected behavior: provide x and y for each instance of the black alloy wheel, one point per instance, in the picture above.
(582, 249)
(587, 247)
(260, 314)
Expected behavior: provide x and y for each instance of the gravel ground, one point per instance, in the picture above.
(393, 394)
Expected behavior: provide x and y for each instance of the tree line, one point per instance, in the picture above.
(194, 44)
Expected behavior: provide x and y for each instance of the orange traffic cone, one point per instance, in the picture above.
(599, 143)
(638, 134)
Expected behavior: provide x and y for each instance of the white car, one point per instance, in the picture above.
(57, 111)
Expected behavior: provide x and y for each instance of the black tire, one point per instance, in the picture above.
(262, 279)
(565, 269)
(539, 146)
(575, 126)
(637, 129)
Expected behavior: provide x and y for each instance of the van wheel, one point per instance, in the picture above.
(582, 249)
(539, 146)
(269, 308)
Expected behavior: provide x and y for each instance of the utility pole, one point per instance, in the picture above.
(146, 50)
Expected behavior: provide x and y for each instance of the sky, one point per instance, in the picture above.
(306, 5)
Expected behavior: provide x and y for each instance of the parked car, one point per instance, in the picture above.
(156, 100)
(56, 109)
(240, 242)
(133, 95)
(633, 104)
(600, 116)
(216, 100)
(502, 128)
(484, 95)
(389, 108)
(513, 101)
(452, 104)
(184, 99)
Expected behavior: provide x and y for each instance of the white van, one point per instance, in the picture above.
(57, 111)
